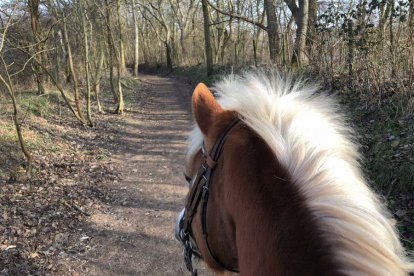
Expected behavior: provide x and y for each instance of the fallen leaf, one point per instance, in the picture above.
(395, 144)
(34, 255)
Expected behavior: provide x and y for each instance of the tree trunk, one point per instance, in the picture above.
(168, 55)
(272, 30)
(120, 65)
(136, 37)
(58, 54)
(392, 40)
(411, 21)
(411, 32)
(78, 102)
(184, 54)
(312, 21)
(350, 52)
(97, 79)
(255, 52)
(385, 12)
(82, 11)
(208, 52)
(226, 39)
(26, 153)
(64, 57)
(120, 107)
(111, 51)
(299, 57)
(9, 86)
(121, 43)
(36, 31)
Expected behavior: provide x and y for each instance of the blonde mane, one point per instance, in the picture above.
(309, 137)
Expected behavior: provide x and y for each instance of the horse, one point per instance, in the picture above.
(276, 188)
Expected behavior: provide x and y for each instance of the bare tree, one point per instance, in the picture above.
(165, 34)
(120, 64)
(120, 31)
(208, 53)
(8, 84)
(300, 13)
(78, 101)
(111, 48)
(312, 22)
(272, 29)
(136, 38)
(183, 14)
(411, 22)
(82, 11)
(33, 6)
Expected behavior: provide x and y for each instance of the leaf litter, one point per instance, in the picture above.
(41, 217)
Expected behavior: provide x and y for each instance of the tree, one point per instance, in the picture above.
(7, 82)
(208, 53)
(111, 49)
(272, 29)
(183, 13)
(300, 14)
(120, 31)
(269, 28)
(82, 11)
(312, 22)
(164, 34)
(72, 69)
(136, 38)
(33, 6)
(411, 22)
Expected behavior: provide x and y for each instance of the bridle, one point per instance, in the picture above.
(199, 192)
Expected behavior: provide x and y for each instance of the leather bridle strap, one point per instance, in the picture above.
(200, 192)
(218, 146)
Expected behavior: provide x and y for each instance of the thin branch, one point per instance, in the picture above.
(153, 27)
(241, 17)
(3, 37)
(62, 92)
(152, 14)
(223, 21)
(293, 8)
(27, 61)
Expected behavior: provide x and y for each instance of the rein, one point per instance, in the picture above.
(199, 193)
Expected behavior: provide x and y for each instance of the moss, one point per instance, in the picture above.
(38, 105)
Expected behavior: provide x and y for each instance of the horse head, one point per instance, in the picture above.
(275, 186)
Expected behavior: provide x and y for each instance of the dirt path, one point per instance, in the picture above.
(133, 233)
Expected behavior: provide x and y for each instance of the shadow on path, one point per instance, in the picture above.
(133, 234)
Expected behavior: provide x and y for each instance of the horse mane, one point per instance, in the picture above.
(310, 138)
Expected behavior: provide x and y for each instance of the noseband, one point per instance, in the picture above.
(199, 193)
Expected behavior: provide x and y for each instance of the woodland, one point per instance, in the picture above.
(70, 75)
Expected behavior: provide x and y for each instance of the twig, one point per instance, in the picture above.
(77, 209)
(238, 16)
(126, 86)
(391, 188)
(27, 61)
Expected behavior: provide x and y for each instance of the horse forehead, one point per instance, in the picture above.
(196, 137)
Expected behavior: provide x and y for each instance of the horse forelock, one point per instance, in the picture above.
(310, 138)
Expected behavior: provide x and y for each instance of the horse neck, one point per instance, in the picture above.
(274, 231)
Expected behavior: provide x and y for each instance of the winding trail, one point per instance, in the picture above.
(133, 234)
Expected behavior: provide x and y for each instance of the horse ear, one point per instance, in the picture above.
(205, 107)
